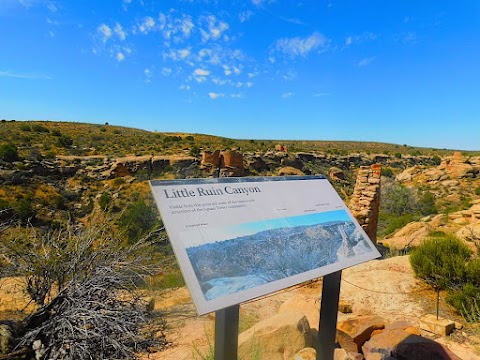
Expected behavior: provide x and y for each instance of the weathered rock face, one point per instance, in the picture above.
(409, 236)
(277, 338)
(288, 170)
(365, 201)
(355, 332)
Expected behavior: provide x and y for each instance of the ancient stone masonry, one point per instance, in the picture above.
(228, 162)
(365, 201)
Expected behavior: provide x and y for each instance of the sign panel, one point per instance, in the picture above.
(240, 238)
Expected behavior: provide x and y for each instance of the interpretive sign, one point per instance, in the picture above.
(240, 238)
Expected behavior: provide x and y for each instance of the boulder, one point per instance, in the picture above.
(408, 174)
(306, 354)
(288, 170)
(402, 345)
(277, 338)
(337, 174)
(358, 330)
(419, 348)
(410, 235)
(310, 307)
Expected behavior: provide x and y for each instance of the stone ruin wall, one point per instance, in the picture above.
(365, 201)
(229, 163)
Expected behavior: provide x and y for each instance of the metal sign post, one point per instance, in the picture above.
(327, 329)
(226, 333)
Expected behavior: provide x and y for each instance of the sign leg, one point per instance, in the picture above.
(226, 333)
(327, 330)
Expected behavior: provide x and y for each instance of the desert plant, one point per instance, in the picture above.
(441, 261)
(8, 153)
(139, 219)
(94, 310)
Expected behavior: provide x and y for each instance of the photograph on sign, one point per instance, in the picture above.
(240, 238)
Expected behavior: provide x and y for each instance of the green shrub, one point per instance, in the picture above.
(426, 204)
(385, 171)
(39, 128)
(138, 220)
(477, 190)
(25, 127)
(64, 141)
(104, 201)
(441, 261)
(8, 153)
(436, 159)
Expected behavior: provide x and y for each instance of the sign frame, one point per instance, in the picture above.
(267, 194)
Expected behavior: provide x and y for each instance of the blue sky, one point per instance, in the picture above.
(404, 72)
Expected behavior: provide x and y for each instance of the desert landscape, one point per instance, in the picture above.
(58, 179)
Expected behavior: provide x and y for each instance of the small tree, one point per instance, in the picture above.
(441, 262)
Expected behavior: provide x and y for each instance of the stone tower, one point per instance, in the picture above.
(365, 201)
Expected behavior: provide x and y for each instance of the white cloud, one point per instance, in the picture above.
(297, 46)
(236, 96)
(184, 87)
(52, 7)
(361, 38)
(261, 2)
(287, 95)
(245, 15)
(119, 31)
(120, 56)
(105, 32)
(201, 72)
(148, 72)
(166, 71)
(249, 84)
(236, 70)
(365, 61)
(183, 53)
(409, 38)
(147, 25)
(321, 94)
(226, 70)
(176, 29)
(215, 95)
(289, 75)
(214, 28)
(8, 73)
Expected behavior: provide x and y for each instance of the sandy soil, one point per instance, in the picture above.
(382, 287)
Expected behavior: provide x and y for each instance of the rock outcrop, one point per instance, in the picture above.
(277, 338)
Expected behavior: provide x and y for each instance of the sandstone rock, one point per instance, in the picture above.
(438, 326)
(310, 307)
(381, 345)
(306, 354)
(277, 338)
(410, 235)
(288, 170)
(359, 329)
(336, 174)
(408, 174)
(403, 325)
